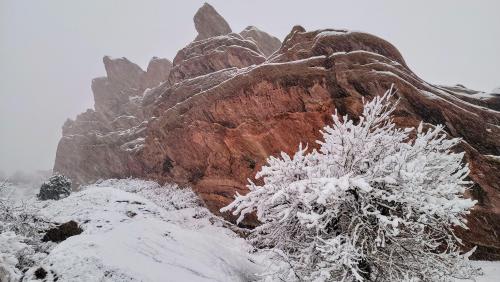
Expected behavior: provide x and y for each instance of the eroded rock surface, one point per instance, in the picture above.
(225, 108)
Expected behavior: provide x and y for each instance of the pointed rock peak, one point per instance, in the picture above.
(110, 61)
(298, 28)
(156, 62)
(295, 29)
(267, 43)
(157, 71)
(209, 23)
(121, 69)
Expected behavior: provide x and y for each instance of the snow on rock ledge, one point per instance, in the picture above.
(127, 237)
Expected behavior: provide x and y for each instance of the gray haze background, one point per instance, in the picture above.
(50, 50)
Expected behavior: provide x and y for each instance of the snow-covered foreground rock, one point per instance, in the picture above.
(129, 237)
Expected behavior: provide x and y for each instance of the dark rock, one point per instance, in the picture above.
(40, 273)
(62, 232)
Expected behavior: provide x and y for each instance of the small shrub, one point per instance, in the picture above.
(40, 273)
(57, 187)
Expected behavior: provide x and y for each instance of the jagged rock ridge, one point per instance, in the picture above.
(101, 142)
(224, 108)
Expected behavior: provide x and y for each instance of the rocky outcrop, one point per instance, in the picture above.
(225, 109)
(114, 94)
(214, 54)
(157, 72)
(300, 44)
(267, 44)
(101, 143)
(209, 23)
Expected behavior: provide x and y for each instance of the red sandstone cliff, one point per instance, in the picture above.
(230, 100)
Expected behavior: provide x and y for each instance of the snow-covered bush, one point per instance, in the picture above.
(55, 188)
(21, 231)
(372, 204)
(11, 246)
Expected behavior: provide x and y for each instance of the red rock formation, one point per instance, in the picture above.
(219, 116)
(213, 54)
(101, 143)
(157, 72)
(267, 44)
(209, 23)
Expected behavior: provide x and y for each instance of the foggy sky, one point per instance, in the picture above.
(51, 50)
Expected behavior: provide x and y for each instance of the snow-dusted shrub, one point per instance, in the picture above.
(373, 204)
(169, 196)
(172, 197)
(11, 245)
(21, 231)
(55, 188)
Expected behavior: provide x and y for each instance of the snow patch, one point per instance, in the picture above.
(327, 33)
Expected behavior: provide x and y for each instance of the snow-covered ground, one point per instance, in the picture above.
(491, 270)
(138, 231)
(18, 192)
(128, 237)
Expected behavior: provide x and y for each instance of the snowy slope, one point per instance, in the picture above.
(130, 238)
(491, 270)
(138, 231)
(18, 192)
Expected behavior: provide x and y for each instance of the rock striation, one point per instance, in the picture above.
(214, 54)
(228, 103)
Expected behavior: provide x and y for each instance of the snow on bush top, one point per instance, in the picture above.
(10, 246)
(55, 188)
